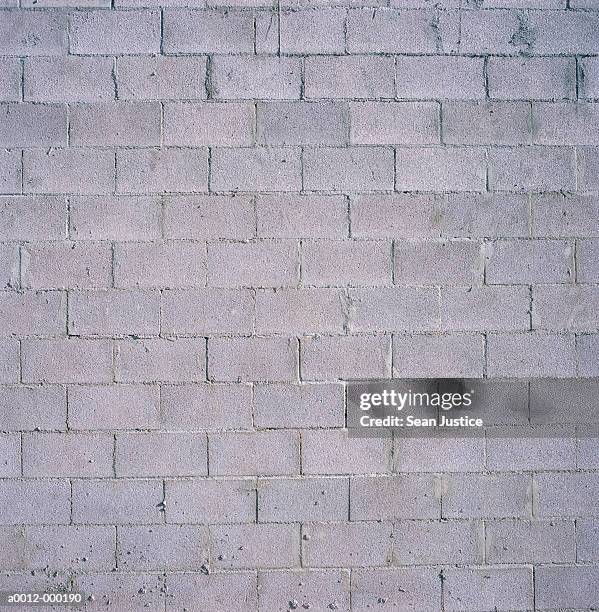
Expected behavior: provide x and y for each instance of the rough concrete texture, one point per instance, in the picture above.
(215, 212)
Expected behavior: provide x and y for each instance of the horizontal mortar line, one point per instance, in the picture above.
(425, 52)
(297, 475)
(217, 7)
(348, 192)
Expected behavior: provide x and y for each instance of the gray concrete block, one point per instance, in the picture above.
(115, 32)
(66, 361)
(158, 547)
(160, 265)
(332, 451)
(67, 454)
(43, 502)
(314, 405)
(112, 217)
(161, 77)
(215, 591)
(345, 357)
(487, 496)
(488, 588)
(456, 355)
(109, 407)
(208, 501)
(264, 453)
(346, 262)
(151, 454)
(252, 359)
(368, 77)
(302, 500)
(159, 359)
(193, 406)
(26, 408)
(406, 496)
(513, 541)
(116, 502)
(347, 544)
(199, 217)
(255, 546)
(319, 589)
(393, 588)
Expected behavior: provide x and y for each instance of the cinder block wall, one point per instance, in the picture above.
(212, 217)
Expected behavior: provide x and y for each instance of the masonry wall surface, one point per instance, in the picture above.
(214, 215)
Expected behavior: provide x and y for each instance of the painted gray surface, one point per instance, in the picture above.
(212, 216)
